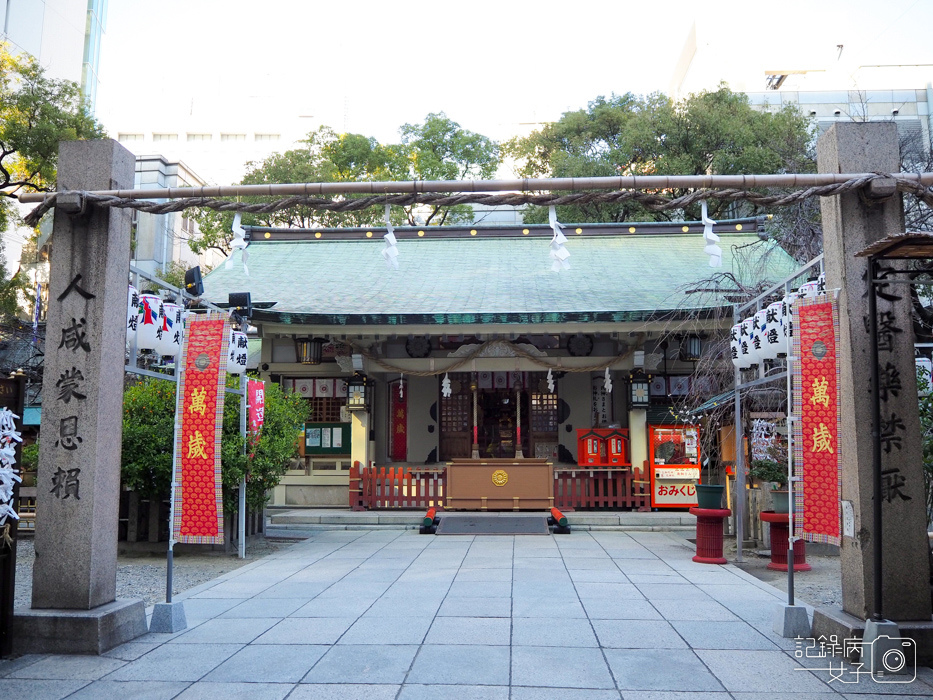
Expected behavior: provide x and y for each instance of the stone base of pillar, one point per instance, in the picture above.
(168, 617)
(829, 621)
(95, 631)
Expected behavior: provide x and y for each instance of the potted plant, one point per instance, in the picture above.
(772, 471)
(709, 495)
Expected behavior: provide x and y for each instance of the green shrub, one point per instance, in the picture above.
(148, 432)
(769, 470)
(29, 459)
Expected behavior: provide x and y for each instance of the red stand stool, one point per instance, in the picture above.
(779, 532)
(709, 534)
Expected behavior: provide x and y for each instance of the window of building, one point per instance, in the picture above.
(544, 413)
(233, 137)
(165, 137)
(129, 137)
(199, 137)
(456, 413)
(267, 137)
(326, 409)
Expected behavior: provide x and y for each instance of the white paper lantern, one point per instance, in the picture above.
(236, 360)
(810, 290)
(172, 330)
(735, 346)
(788, 303)
(747, 350)
(758, 332)
(132, 314)
(773, 339)
(148, 321)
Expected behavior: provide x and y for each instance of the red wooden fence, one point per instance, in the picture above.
(395, 487)
(399, 487)
(601, 488)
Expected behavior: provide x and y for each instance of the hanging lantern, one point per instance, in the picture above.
(747, 350)
(358, 392)
(132, 311)
(640, 390)
(309, 351)
(735, 346)
(773, 342)
(236, 360)
(758, 332)
(809, 290)
(148, 321)
(169, 336)
(788, 303)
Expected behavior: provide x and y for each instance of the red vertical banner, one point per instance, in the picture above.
(398, 424)
(198, 502)
(256, 402)
(817, 427)
(256, 398)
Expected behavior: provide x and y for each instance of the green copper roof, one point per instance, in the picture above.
(485, 279)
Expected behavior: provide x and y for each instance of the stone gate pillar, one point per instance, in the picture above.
(74, 576)
(850, 223)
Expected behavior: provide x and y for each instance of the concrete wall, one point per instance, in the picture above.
(423, 430)
(574, 408)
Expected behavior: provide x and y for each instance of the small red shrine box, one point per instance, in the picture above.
(617, 447)
(591, 448)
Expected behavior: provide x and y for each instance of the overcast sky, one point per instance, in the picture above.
(369, 67)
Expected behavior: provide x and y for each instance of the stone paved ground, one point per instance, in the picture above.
(394, 614)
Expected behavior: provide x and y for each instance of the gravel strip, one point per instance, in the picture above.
(144, 576)
(821, 586)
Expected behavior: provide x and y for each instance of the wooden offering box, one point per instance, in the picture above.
(500, 484)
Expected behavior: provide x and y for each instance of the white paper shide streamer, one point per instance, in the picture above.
(238, 243)
(446, 390)
(9, 475)
(712, 250)
(550, 381)
(559, 254)
(607, 382)
(401, 387)
(390, 252)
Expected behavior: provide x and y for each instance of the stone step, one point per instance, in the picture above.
(280, 523)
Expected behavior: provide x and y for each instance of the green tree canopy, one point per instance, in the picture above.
(36, 112)
(706, 133)
(438, 149)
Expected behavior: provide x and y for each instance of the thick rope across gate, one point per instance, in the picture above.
(651, 200)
